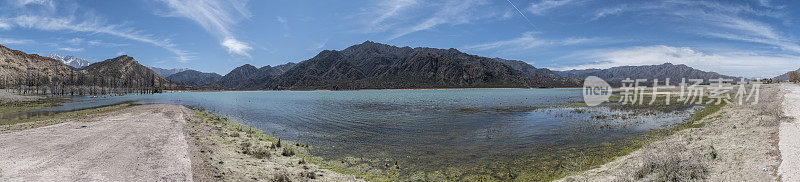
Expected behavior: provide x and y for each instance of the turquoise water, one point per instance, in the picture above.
(424, 129)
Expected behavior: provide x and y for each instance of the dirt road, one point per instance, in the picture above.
(143, 143)
(789, 143)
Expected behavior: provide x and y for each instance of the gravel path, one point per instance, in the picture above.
(789, 143)
(143, 143)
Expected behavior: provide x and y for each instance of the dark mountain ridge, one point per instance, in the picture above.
(373, 65)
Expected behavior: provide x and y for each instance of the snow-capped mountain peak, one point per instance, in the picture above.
(71, 61)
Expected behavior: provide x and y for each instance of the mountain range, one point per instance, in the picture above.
(675, 73)
(167, 72)
(784, 77)
(19, 68)
(76, 63)
(368, 65)
(371, 65)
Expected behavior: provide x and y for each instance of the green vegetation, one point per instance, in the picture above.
(60, 117)
(547, 164)
(14, 107)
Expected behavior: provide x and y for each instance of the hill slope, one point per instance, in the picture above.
(18, 68)
(378, 66)
(784, 77)
(194, 78)
(615, 75)
(167, 72)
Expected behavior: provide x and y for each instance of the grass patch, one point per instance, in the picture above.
(14, 107)
(39, 121)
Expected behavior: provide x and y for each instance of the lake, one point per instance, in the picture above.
(425, 130)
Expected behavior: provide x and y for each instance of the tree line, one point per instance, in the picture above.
(77, 83)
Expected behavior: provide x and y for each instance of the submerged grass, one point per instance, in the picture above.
(45, 120)
(550, 164)
(14, 107)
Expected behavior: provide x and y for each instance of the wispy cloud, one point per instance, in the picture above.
(541, 7)
(385, 11)
(4, 40)
(736, 62)
(4, 25)
(50, 15)
(71, 49)
(285, 24)
(93, 25)
(527, 41)
(454, 12)
(217, 17)
(729, 21)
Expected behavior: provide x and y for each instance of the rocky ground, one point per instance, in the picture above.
(149, 143)
(145, 143)
(737, 143)
(789, 143)
(223, 150)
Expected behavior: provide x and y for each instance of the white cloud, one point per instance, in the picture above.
(4, 40)
(236, 47)
(728, 21)
(93, 25)
(545, 5)
(454, 12)
(388, 10)
(736, 63)
(285, 24)
(217, 17)
(608, 12)
(528, 41)
(71, 49)
(4, 25)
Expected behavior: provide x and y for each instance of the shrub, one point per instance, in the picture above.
(287, 151)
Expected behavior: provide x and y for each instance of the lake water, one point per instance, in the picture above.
(424, 130)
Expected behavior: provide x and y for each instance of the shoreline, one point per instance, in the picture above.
(314, 90)
(151, 142)
(736, 143)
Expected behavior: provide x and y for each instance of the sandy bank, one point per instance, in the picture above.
(790, 135)
(737, 143)
(144, 143)
(223, 150)
(12, 97)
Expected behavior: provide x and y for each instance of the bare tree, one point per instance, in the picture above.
(794, 77)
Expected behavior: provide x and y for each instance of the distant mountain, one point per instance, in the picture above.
(167, 72)
(536, 73)
(34, 71)
(373, 65)
(125, 68)
(784, 77)
(615, 75)
(248, 77)
(71, 61)
(17, 67)
(194, 78)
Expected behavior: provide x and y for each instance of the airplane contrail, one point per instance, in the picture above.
(520, 13)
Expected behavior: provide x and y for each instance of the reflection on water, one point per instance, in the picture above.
(422, 129)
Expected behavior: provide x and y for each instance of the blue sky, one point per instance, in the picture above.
(753, 38)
